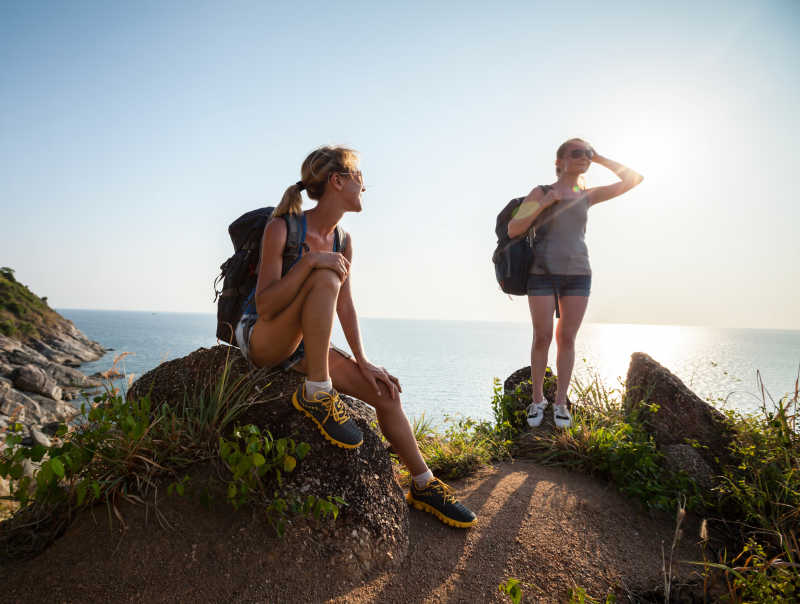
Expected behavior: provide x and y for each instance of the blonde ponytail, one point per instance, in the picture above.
(291, 202)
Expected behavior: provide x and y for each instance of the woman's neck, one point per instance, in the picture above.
(323, 218)
(568, 181)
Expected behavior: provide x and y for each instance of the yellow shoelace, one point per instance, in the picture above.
(439, 487)
(333, 404)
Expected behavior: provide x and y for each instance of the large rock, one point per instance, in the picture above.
(372, 530)
(17, 405)
(53, 410)
(34, 379)
(24, 355)
(681, 416)
(70, 377)
(521, 379)
(517, 390)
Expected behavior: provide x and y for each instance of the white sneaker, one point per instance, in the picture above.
(536, 413)
(561, 416)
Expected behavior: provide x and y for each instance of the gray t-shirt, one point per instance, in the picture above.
(558, 240)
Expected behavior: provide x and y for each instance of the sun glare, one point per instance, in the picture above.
(659, 135)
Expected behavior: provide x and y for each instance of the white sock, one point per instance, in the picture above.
(420, 480)
(311, 388)
(539, 403)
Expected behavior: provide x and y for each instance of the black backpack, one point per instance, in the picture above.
(512, 257)
(239, 273)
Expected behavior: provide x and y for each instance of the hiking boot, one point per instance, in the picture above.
(327, 410)
(436, 498)
(561, 416)
(536, 413)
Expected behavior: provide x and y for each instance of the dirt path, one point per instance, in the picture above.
(549, 528)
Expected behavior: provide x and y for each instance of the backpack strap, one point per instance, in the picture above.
(295, 236)
(339, 240)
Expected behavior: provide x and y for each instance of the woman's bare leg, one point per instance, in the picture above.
(309, 317)
(542, 309)
(348, 379)
(572, 309)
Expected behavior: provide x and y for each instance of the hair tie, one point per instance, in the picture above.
(300, 186)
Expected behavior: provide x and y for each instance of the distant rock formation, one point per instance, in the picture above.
(38, 359)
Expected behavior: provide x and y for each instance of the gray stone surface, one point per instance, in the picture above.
(39, 438)
(37, 373)
(34, 379)
(55, 411)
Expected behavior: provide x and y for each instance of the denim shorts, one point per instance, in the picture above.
(561, 285)
(244, 330)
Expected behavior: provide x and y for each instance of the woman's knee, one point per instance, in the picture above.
(565, 339)
(542, 339)
(387, 404)
(324, 278)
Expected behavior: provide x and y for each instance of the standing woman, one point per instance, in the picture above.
(560, 276)
(289, 320)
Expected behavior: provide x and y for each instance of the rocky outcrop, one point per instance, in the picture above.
(39, 374)
(674, 414)
(517, 390)
(372, 530)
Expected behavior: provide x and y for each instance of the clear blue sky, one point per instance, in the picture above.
(132, 133)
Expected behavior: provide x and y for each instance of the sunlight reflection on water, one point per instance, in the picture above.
(447, 367)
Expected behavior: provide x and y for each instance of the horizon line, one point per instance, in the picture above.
(597, 322)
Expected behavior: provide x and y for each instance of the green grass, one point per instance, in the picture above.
(461, 448)
(133, 451)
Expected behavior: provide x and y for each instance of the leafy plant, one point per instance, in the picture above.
(256, 460)
(511, 587)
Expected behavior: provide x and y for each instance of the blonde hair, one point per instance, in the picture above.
(562, 150)
(314, 172)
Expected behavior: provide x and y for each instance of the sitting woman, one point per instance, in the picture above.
(289, 321)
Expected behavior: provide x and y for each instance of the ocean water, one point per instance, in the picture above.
(448, 367)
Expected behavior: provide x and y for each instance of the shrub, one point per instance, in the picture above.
(128, 451)
(7, 328)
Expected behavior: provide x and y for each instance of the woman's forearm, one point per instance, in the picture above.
(352, 333)
(528, 212)
(275, 297)
(625, 174)
(348, 318)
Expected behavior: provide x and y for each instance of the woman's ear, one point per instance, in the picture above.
(335, 180)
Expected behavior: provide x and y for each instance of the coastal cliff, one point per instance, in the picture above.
(40, 352)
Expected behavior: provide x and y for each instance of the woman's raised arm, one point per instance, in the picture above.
(627, 180)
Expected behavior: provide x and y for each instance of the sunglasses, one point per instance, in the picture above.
(355, 174)
(578, 153)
